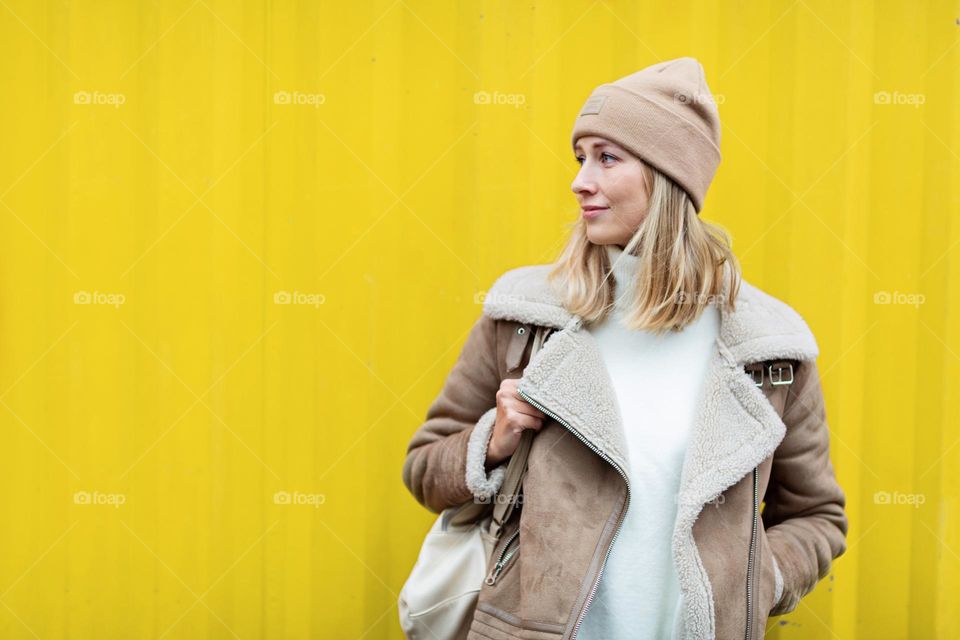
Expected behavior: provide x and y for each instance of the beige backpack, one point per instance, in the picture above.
(438, 599)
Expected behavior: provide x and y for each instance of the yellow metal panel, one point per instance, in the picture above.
(243, 244)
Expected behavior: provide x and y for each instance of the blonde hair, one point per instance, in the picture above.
(685, 264)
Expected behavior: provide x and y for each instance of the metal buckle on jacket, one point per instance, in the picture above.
(756, 372)
(779, 379)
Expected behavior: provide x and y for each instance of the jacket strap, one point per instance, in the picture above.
(778, 372)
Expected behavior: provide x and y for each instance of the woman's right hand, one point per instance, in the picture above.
(514, 414)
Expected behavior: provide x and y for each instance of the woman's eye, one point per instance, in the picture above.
(579, 159)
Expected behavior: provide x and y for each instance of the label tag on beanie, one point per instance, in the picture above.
(592, 106)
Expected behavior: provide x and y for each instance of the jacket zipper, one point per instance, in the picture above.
(748, 633)
(503, 559)
(593, 589)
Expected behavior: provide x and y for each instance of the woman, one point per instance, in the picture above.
(670, 398)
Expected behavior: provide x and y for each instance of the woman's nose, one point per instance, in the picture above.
(583, 184)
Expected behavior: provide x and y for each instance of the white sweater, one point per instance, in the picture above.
(657, 380)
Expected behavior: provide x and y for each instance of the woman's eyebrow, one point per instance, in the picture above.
(595, 145)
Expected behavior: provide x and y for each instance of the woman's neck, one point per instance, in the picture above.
(624, 269)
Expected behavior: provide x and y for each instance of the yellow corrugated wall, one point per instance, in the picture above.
(242, 244)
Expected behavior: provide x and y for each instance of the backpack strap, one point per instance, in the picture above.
(507, 499)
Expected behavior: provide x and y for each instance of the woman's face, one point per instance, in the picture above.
(610, 178)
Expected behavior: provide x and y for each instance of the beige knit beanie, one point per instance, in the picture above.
(665, 115)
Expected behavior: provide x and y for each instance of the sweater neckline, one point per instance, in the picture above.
(623, 270)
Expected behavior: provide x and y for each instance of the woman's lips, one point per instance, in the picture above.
(590, 214)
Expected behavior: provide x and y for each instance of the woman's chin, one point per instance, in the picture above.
(597, 234)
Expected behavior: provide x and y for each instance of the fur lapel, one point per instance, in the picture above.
(762, 327)
(737, 428)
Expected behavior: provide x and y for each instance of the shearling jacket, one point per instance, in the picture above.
(760, 516)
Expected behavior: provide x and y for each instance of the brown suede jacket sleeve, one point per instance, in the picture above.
(804, 512)
(446, 458)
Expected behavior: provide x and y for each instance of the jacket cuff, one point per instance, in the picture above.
(483, 486)
(790, 572)
(778, 577)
